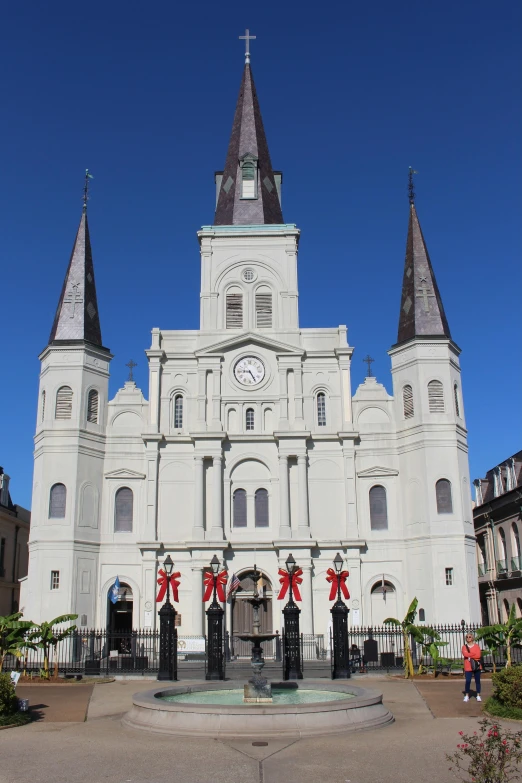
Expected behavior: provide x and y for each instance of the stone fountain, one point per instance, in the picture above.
(257, 690)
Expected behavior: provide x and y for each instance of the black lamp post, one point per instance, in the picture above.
(168, 644)
(215, 668)
(291, 643)
(339, 611)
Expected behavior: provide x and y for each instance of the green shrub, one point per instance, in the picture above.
(8, 699)
(497, 709)
(507, 685)
(18, 719)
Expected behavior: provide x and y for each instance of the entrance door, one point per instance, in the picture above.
(242, 614)
(119, 620)
(383, 603)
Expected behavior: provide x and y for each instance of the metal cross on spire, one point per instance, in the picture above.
(131, 365)
(247, 38)
(369, 361)
(411, 186)
(86, 189)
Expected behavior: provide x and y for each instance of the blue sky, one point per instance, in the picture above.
(351, 94)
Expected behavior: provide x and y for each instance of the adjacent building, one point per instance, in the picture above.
(14, 537)
(250, 443)
(497, 517)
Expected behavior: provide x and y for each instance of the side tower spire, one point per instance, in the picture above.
(248, 188)
(422, 312)
(77, 316)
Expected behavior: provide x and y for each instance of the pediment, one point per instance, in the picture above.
(124, 473)
(250, 338)
(377, 472)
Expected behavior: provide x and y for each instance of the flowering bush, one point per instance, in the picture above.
(491, 755)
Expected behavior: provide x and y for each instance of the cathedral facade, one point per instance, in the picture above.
(251, 444)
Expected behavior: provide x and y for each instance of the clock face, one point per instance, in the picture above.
(249, 371)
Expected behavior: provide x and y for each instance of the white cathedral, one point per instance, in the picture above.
(251, 444)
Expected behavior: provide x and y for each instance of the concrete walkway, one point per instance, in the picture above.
(100, 749)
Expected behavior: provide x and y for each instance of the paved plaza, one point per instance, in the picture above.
(78, 736)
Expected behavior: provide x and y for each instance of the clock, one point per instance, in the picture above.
(249, 371)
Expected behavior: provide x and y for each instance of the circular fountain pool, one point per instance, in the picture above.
(216, 710)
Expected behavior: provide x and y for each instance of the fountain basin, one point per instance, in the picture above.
(355, 709)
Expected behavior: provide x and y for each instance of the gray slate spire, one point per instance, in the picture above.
(422, 313)
(77, 313)
(248, 138)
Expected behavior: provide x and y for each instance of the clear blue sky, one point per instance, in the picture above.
(143, 94)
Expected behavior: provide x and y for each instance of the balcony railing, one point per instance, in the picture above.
(516, 563)
(502, 567)
(482, 569)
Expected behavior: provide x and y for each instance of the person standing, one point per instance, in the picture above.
(472, 655)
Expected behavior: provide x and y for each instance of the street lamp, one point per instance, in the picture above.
(168, 644)
(215, 614)
(291, 637)
(339, 612)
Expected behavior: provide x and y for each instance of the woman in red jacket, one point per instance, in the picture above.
(472, 655)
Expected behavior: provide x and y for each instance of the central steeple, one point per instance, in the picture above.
(248, 188)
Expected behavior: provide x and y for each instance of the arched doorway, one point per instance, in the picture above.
(242, 613)
(119, 614)
(383, 602)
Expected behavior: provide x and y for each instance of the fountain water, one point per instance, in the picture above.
(257, 690)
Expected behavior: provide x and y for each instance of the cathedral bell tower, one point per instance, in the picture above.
(69, 449)
(434, 470)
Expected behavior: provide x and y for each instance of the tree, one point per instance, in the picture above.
(13, 632)
(431, 646)
(507, 634)
(46, 636)
(408, 628)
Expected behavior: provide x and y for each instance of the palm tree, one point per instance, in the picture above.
(408, 628)
(507, 634)
(12, 635)
(46, 636)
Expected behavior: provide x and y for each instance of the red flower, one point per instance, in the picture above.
(461, 733)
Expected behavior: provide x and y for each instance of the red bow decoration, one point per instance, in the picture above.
(221, 580)
(174, 584)
(285, 583)
(337, 579)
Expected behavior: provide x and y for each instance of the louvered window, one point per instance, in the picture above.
(92, 406)
(378, 508)
(123, 510)
(43, 406)
(456, 398)
(239, 502)
(443, 493)
(407, 400)
(248, 180)
(261, 506)
(64, 397)
(321, 409)
(263, 311)
(178, 412)
(249, 419)
(57, 501)
(234, 317)
(436, 397)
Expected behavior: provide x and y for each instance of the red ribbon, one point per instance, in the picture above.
(337, 579)
(285, 583)
(221, 580)
(174, 584)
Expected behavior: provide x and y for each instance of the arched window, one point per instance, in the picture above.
(263, 309)
(248, 179)
(515, 563)
(321, 409)
(261, 507)
(43, 406)
(506, 610)
(92, 406)
(443, 494)
(407, 401)
(249, 419)
(436, 397)
(234, 311)
(64, 397)
(57, 501)
(503, 550)
(123, 510)
(239, 508)
(378, 508)
(456, 399)
(422, 616)
(483, 560)
(519, 605)
(178, 412)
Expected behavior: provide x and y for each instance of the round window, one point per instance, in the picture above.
(249, 275)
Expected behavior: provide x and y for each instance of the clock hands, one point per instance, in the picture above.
(251, 373)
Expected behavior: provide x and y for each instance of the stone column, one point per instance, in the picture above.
(202, 398)
(216, 532)
(149, 533)
(306, 605)
(197, 600)
(283, 398)
(216, 399)
(302, 477)
(298, 395)
(284, 498)
(198, 531)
